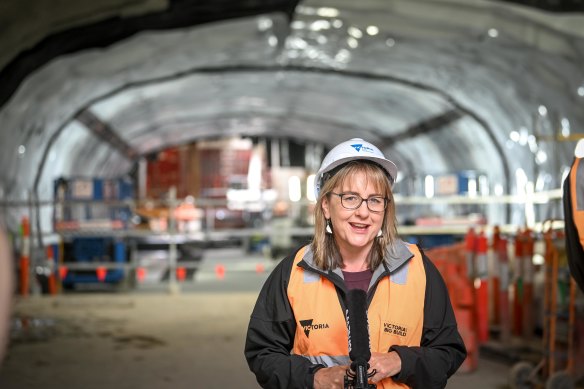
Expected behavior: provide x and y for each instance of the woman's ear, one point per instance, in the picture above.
(325, 207)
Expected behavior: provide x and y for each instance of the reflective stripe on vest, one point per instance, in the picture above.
(396, 313)
(577, 197)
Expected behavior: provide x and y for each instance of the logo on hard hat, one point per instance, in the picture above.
(359, 146)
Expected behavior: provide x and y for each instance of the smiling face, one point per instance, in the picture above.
(356, 229)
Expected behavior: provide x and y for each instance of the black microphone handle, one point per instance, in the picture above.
(358, 326)
(359, 346)
(356, 378)
(361, 377)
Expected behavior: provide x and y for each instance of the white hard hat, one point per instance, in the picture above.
(579, 150)
(352, 150)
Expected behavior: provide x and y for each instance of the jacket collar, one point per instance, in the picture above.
(396, 255)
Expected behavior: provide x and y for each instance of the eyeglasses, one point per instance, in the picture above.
(354, 201)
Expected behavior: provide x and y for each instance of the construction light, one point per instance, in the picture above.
(310, 188)
(294, 190)
(429, 186)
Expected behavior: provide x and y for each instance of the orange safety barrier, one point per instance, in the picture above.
(482, 288)
(515, 313)
(470, 243)
(24, 275)
(559, 364)
(471, 362)
(503, 291)
(59, 271)
(495, 277)
(528, 319)
(517, 327)
(451, 262)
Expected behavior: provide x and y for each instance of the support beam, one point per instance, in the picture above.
(424, 127)
(106, 133)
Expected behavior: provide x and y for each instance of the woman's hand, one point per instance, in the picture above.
(330, 377)
(386, 364)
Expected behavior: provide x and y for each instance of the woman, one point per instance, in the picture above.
(297, 335)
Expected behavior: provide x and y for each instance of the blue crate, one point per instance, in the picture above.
(90, 249)
(93, 246)
(431, 241)
(125, 189)
(98, 189)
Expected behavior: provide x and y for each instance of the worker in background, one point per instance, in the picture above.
(297, 335)
(6, 283)
(574, 215)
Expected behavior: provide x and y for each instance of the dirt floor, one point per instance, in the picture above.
(129, 341)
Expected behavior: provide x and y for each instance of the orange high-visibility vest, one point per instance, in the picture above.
(395, 313)
(577, 197)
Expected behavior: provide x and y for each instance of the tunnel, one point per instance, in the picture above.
(179, 141)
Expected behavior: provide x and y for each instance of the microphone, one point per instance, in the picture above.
(359, 347)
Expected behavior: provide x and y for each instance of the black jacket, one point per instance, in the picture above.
(574, 250)
(272, 326)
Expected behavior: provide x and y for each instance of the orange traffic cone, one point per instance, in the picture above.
(140, 274)
(181, 273)
(220, 271)
(101, 273)
(24, 270)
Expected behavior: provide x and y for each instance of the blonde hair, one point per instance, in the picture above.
(325, 250)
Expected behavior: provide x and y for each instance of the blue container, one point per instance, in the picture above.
(90, 249)
(125, 189)
(97, 189)
(97, 250)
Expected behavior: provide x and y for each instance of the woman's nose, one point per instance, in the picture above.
(363, 208)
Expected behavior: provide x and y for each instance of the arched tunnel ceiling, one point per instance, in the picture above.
(439, 84)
